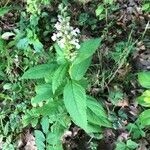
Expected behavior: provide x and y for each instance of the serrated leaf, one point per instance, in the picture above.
(39, 71)
(45, 124)
(52, 105)
(58, 77)
(77, 71)
(75, 103)
(87, 49)
(4, 10)
(44, 92)
(144, 79)
(96, 113)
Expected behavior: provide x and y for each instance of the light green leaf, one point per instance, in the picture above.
(38, 46)
(108, 1)
(144, 99)
(96, 113)
(131, 144)
(92, 128)
(45, 124)
(87, 49)
(44, 92)
(146, 7)
(144, 79)
(23, 43)
(75, 103)
(145, 118)
(99, 10)
(39, 71)
(120, 146)
(77, 71)
(60, 54)
(39, 135)
(39, 140)
(4, 10)
(59, 76)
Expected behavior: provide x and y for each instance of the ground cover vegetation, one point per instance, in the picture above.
(74, 75)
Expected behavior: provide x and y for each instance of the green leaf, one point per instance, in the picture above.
(108, 1)
(87, 49)
(145, 118)
(75, 103)
(39, 71)
(120, 146)
(144, 99)
(44, 92)
(59, 76)
(39, 140)
(38, 46)
(99, 10)
(45, 124)
(60, 54)
(92, 128)
(144, 79)
(39, 135)
(146, 7)
(96, 113)
(77, 71)
(4, 10)
(131, 144)
(23, 43)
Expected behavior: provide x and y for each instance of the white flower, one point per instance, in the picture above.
(61, 43)
(77, 30)
(54, 37)
(59, 34)
(58, 26)
(67, 37)
(60, 19)
(77, 45)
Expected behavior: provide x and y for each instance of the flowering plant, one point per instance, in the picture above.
(63, 88)
(66, 36)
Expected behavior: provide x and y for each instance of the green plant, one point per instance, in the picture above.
(64, 85)
(129, 145)
(144, 99)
